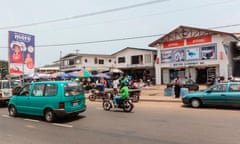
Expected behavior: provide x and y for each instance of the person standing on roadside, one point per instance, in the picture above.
(177, 86)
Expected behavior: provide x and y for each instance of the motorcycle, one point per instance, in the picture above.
(125, 104)
(96, 94)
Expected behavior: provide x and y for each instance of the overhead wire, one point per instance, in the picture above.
(103, 12)
(85, 15)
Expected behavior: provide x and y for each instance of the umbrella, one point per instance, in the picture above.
(63, 76)
(115, 70)
(103, 75)
(84, 73)
(91, 69)
(54, 75)
(73, 74)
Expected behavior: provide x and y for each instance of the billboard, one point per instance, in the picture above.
(21, 53)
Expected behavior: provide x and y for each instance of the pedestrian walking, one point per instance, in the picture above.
(177, 86)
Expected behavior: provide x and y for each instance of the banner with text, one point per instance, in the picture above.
(21, 53)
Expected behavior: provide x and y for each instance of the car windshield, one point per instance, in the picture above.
(73, 89)
(5, 85)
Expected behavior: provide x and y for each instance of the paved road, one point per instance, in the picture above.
(149, 123)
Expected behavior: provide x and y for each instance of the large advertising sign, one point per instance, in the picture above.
(166, 56)
(178, 55)
(192, 53)
(21, 53)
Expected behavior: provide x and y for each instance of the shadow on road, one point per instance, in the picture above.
(214, 107)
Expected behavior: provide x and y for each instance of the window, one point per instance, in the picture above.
(109, 60)
(73, 89)
(121, 59)
(138, 59)
(51, 90)
(38, 90)
(148, 58)
(71, 61)
(95, 60)
(25, 90)
(220, 88)
(5, 85)
(85, 60)
(234, 88)
(101, 61)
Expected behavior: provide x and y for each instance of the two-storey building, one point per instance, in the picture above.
(139, 63)
(196, 53)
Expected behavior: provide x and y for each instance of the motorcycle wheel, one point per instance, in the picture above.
(128, 106)
(92, 97)
(107, 105)
(135, 98)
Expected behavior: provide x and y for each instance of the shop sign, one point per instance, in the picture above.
(199, 40)
(68, 67)
(173, 44)
(188, 64)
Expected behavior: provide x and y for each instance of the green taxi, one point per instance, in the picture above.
(50, 99)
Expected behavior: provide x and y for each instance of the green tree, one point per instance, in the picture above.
(4, 68)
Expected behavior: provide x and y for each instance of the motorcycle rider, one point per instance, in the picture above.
(123, 93)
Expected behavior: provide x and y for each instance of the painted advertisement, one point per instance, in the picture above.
(208, 52)
(21, 53)
(192, 53)
(166, 56)
(178, 55)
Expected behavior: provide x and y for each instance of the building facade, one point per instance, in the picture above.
(194, 53)
(136, 62)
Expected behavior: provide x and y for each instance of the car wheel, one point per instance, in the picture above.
(12, 111)
(49, 115)
(195, 103)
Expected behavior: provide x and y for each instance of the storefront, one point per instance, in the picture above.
(192, 53)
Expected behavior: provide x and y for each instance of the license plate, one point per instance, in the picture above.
(75, 103)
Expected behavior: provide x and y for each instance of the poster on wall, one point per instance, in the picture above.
(192, 53)
(21, 53)
(208, 52)
(166, 56)
(178, 55)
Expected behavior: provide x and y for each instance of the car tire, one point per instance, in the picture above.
(12, 111)
(49, 115)
(196, 103)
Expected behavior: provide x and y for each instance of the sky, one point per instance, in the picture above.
(61, 27)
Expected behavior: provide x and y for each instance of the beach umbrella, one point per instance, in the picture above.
(73, 74)
(54, 75)
(103, 75)
(44, 76)
(63, 76)
(91, 69)
(84, 73)
(115, 70)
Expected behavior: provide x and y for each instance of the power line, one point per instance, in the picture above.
(100, 41)
(121, 39)
(85, 15)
